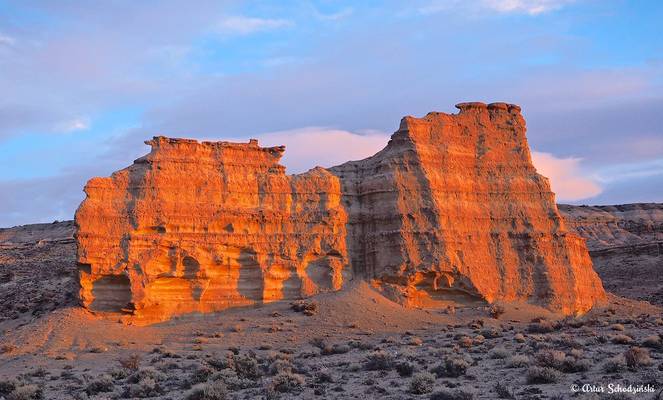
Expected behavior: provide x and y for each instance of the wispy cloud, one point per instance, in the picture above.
(530, 7)
(73, 125)
(567, 178)
(6, 40)
(240, 25)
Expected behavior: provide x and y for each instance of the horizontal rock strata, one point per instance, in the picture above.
(451, 208)
(205, 226)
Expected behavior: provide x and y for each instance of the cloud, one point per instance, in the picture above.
(73, 125)
(6, 40)
(239, 25)
(566, 177)
(531, 7)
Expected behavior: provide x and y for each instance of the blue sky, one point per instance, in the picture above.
(85, 83)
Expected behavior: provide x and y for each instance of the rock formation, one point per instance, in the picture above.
(205, 226)
(451, 207)
(626, 245)
(453, 204)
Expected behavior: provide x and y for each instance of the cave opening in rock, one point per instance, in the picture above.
(112, 293)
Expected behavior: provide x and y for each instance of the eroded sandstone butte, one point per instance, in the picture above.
(451, 207)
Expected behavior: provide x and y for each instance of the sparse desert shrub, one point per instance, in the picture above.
(575, 364)
(379, 360)
(208, 391)
(247, 367)
(7, 348)
(458, 394)
(550, 358)
(653, 341)
(451, 368)
(8, 386)
(324, 376)
(465, 341)
(335, 349)
(307, 307)
(499, 353)
(103, 383)
(231, 380)
(26, 392)
(118, 373)
(615, 364)
(279, 366)
(221, 362)
(542, 375)
(131, 362)
(518, 361)
(574, 322)
(287, 383)
(503, 392)
(405, 368)
(147, 387)
(414, 341)
(422, 382)
(496, 310)
(147, 372)
(200, 374)
(542, 327)
(621, 339)
(491, 332)
(637, 357)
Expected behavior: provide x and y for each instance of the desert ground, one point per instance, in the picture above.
(350, 344)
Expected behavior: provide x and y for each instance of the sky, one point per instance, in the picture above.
(84, 84)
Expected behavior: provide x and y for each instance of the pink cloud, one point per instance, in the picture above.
(566, 177)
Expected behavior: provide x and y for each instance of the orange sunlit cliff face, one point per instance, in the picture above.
(451, 206)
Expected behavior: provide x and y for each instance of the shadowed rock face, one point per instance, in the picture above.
(451, 206)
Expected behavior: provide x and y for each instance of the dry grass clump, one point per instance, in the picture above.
(499, 353)
(102, 383)
(621, 339)
(542, 375)
(458, 394)
(503, 392)
(131, 362)
(246, 367)
(615, 364)
(147, 387)
(380, 360)
(304, 306)
(422, 382)
(653, 341)
(543, 327)
(208, 391)
(550, 359)
(405, 368)
(451, 368)
(518, 361)
(286, 382)
(26, 392)
(637, 357)
(496, 310)
(8, 386)
(617, 327)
